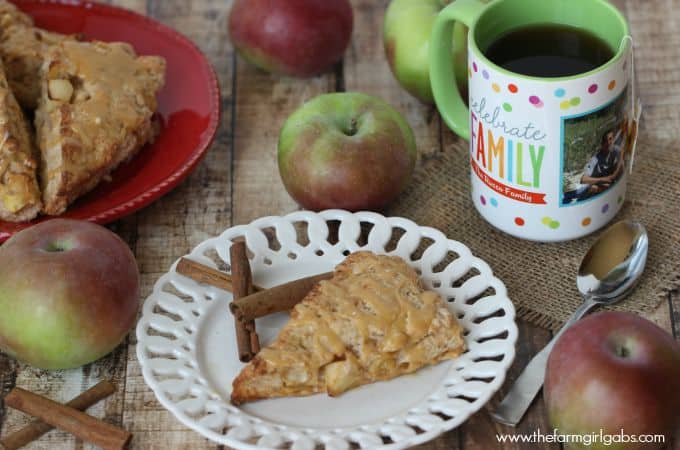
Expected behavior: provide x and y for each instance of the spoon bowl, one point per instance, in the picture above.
(614, 263)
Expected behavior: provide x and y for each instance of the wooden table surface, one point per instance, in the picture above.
(238, 181)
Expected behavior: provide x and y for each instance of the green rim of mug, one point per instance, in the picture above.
(488, 21)
(596, 9)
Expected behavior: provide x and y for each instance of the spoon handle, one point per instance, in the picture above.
(521, 394)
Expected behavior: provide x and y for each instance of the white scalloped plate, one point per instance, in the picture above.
(188, 355)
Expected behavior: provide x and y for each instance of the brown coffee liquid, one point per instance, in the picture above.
(549, 50)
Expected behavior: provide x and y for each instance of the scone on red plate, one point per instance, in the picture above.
(95, 111)
(23, 50)
(11, 15)
(371, 321)
(22, 47)
(19, 193)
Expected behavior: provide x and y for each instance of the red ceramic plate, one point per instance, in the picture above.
(189, 107)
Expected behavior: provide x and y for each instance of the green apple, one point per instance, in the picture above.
(346, 151)
(406, 33)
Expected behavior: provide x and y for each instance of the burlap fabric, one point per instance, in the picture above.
(541, 278)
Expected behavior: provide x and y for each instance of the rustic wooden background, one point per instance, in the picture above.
(238, 182)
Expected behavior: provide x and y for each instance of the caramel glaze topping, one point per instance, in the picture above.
(372, 321)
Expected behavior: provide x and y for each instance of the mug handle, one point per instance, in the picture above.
(448, 99)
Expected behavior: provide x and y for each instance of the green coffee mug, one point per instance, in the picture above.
(540, 148)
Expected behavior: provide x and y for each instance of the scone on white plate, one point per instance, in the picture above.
(371, 321)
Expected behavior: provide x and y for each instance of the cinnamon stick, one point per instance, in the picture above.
(258, 304)
(65, 418)
(277, 299)
(242, 285)
(201, 273)
(37, 428)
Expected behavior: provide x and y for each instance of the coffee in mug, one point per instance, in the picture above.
(549, 50)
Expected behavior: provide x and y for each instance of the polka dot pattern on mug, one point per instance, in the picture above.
(519, 221)
(482, 199)
(605, 208)
(574, 101)
(587, 221)
(494, 202)
(536, 101)
(550, 223)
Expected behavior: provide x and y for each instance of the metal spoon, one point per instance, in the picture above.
(607, 274)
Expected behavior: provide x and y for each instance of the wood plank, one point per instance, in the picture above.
(674, 313)
(447, 441)
(662, 316)
(8, 374)
(198, 209)
(263, 103)
(674, 307)
(656, 34)
(480, 431)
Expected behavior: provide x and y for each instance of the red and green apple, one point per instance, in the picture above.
(346, 150)
(614, 371)
(69, 293)
(300, 38)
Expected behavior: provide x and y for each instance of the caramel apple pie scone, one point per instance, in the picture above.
(11, 15)
(95, 111)
(371, 321)
(23, 50)
(19, 193)
(23, 47)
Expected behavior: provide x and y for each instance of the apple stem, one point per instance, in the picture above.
(353, 126)
(55, 248)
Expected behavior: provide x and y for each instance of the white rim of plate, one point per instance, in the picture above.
(168, 328)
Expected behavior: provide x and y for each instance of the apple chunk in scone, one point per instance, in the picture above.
(95, 111)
